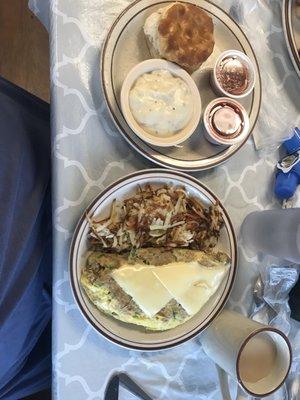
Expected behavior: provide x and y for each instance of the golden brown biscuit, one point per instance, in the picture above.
(184, 35)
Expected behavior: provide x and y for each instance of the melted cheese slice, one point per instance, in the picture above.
(190, 284)
(143, 286)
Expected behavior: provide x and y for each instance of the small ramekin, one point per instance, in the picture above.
(246, 61)
(212, 136)
(153, 65)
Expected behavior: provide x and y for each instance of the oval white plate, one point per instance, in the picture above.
(125, 47)
(132, 336)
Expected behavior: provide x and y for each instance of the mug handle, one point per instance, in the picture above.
(223, 379)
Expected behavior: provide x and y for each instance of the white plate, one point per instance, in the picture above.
(125, 46)
(132, 336)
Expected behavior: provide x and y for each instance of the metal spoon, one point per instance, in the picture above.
(261, 311)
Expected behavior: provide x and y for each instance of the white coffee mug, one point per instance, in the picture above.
(257, 356)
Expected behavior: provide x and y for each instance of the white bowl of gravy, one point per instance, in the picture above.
(161, 102)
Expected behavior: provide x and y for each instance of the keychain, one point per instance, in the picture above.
(288, 170)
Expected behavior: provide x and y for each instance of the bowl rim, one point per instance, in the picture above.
(88, 315)
(149, 65)
(245, 58)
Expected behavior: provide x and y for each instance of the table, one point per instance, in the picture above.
(89, 154)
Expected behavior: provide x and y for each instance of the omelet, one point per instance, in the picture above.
(98, 279)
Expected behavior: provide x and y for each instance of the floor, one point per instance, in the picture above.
(24, 60)
(24, 48)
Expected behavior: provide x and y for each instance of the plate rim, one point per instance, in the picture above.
(72, 272)
(156, 159)
(288, 34)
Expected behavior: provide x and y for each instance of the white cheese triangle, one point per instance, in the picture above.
(142, 285)
(190, 284)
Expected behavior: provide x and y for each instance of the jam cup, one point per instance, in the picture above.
(233, 75)
(226, 122)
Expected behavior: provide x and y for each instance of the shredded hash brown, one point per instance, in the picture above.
(163, 217)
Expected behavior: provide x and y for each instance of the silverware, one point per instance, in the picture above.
(112, 389)
(261, 311)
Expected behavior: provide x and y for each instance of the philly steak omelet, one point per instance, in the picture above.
(151, 261)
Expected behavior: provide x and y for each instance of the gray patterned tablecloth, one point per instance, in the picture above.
(89, 154)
